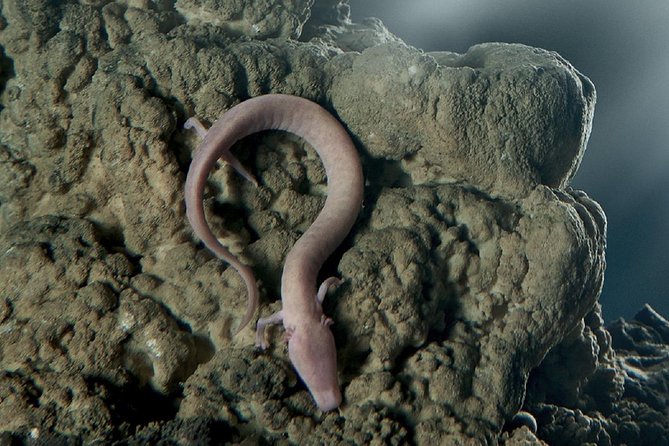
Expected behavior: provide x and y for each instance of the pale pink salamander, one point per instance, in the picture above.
(311, 346)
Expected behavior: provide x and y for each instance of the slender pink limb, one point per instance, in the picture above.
(325, 286)
(275, 318)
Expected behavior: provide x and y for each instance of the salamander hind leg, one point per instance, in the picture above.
(261, 340)
(243, 171)
(195, 124)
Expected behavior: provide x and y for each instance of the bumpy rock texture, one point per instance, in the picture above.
(471, 260)
(605, 386)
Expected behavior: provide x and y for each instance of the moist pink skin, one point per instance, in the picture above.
(311, 346)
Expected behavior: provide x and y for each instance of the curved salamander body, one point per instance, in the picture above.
(311, 345)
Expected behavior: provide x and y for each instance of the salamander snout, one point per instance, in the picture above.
(312, 351)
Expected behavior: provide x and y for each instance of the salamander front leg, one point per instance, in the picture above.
(327, 284)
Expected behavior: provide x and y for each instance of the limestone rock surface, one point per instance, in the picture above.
(471, 259)
(605, 385)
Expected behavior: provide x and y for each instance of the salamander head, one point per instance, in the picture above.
(311, 349)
